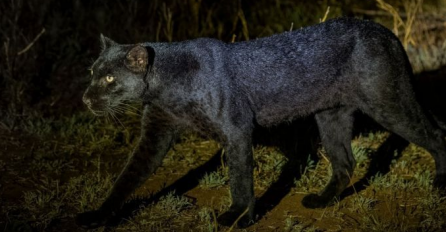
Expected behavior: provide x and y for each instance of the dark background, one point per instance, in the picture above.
(47, 47)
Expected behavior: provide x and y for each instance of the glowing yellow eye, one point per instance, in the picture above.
(109, 79)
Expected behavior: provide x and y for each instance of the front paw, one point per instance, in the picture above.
(314, 201)
(230, 217)
(92, 219)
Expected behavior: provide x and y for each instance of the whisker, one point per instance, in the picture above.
(97, 112)
(124, 108)
(134, 113)
(129, 106)
(109, 115)
(107, 120)
(128, 111)
(118, 110)
(136, 103)
(113, 115)
(132, 100)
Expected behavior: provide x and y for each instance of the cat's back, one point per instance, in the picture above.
(332, 29)
(317, 67)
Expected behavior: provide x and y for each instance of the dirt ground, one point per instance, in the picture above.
(57, 159)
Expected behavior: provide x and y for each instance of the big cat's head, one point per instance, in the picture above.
(117, 76)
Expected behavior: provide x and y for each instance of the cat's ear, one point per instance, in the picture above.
(137, 59)
(106, 42)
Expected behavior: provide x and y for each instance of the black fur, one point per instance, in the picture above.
(223, 90)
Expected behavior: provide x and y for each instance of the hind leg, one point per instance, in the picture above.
(335, 128)
(407, 119)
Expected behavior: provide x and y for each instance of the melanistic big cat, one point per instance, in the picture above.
(223, 90)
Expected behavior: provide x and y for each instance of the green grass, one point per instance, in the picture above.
(314, 177)
(268, 166)
(58, 160)
(214, 179)
(51, 200)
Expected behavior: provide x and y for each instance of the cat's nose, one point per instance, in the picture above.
(86, 100)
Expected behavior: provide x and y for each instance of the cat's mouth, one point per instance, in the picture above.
(107, 109)
(113, 108)
(97, 113)
(100, 108)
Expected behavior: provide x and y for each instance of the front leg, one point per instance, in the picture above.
(157, 137)
(238, 150)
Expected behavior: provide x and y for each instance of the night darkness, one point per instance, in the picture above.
(57, 159)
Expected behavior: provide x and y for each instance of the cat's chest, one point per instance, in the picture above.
(191, 115)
